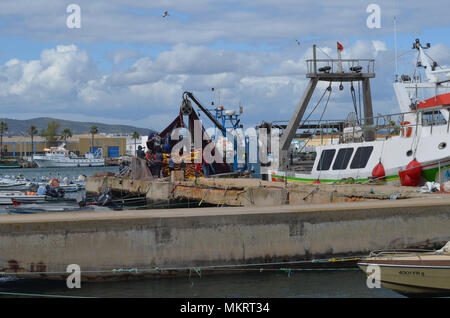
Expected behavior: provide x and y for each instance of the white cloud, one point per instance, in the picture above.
(206, 21)
(148, 93)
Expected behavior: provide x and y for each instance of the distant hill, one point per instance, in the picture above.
(20, 127)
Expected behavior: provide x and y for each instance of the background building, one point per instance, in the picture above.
(112, 147)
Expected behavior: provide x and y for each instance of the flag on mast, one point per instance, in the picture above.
(340, 47)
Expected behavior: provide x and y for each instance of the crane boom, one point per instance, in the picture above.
(207, 112)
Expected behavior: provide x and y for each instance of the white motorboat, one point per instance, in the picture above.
(8, 197)
(411, 273)
(14, 185)
(61, 157)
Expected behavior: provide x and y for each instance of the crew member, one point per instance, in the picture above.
(140, 153)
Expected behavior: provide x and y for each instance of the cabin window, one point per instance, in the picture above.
(433, 118)
(361, 157)
(326, 159)
(342, 159)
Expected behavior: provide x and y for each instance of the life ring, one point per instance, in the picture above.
(54, 183)
(406, 130)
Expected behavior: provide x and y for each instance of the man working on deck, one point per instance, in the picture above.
(171, 165)
(140, 153)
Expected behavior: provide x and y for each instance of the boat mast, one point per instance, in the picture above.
(330, 70)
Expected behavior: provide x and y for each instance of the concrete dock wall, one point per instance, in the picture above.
(186, 238)
(245, 192)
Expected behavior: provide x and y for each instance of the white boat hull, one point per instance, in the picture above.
(421, 274)
(7, 197)
(60, 157)
(392, 153)
(14, 186)
(45, 163)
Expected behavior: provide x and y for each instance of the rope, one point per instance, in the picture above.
(40, 295)
(199, 269)
(323, 112)
(324, 53)
(355, 106)
(312, 111)
(359, 101)
(204, 196)
(224, 196)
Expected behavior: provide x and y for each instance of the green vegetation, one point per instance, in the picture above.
(66, 133)
(32, 131)
(51, 133)
(135, 136)
(93, 131)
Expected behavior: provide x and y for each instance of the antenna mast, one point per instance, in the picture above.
(395, 49)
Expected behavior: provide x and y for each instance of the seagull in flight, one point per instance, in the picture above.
(165, 14)
(298, 42)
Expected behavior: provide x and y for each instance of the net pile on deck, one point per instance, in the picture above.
(178, 122)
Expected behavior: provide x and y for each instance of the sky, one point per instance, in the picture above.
(127, 64)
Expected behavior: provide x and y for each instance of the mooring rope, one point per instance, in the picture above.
(41, 295)
(198, 269)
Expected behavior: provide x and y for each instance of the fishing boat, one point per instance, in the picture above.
(407, 148)
(9, 197)
(9, 164)
(412, 273)
(61, 157)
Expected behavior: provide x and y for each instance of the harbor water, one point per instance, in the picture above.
(310, 284)
(70, 172)
(266, 284)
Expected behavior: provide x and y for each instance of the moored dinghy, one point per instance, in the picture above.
(413, 273)
(9, 197)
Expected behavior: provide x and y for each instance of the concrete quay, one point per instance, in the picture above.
(247, 192)
(141, 243)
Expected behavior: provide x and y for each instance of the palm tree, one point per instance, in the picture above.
(32, 131)
(66, 133)
(93, 131)
(135, 136)
(3, 128)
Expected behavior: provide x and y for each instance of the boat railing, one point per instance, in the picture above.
(331, 66)
(405, 251)
(353, 129)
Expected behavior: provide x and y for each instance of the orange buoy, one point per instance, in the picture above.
(414, 169)
(408, 181)
(378, 172)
